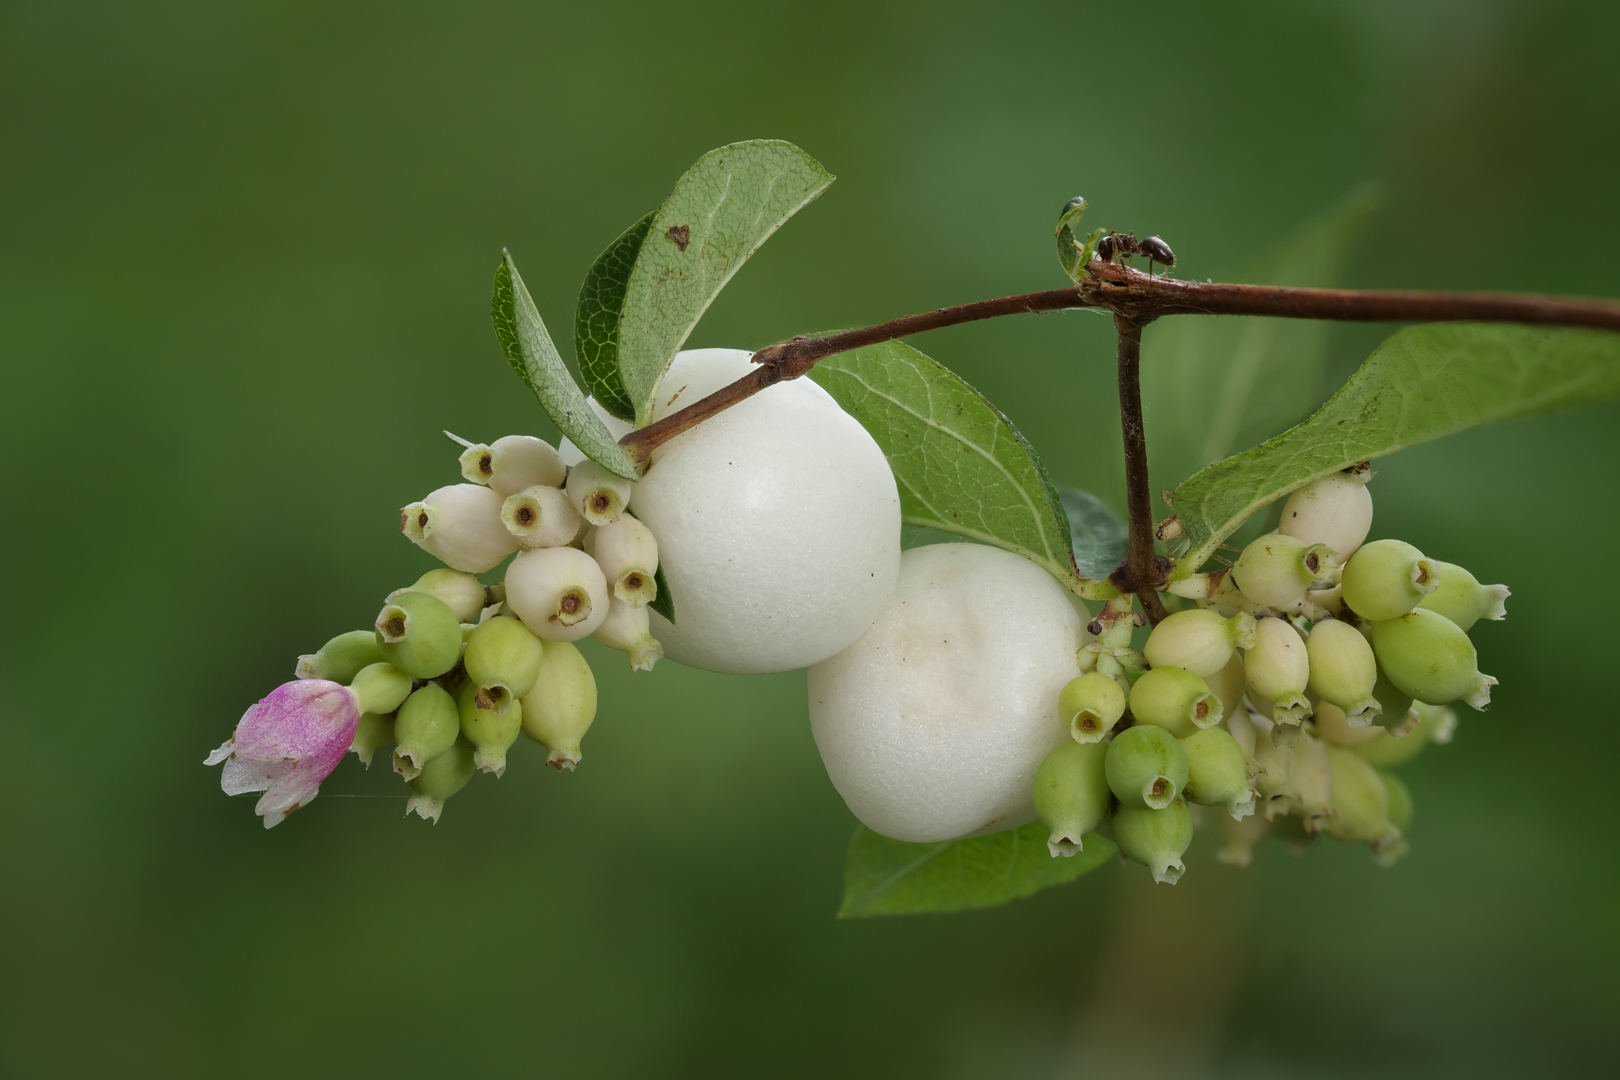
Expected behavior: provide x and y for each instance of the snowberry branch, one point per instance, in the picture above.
(1136, 299)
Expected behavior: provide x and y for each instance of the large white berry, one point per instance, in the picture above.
(778, 523)
(1334, 510)
(932, 724)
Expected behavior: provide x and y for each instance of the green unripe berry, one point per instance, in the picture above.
(1331, 724)
(1343, 668)
(380, 688)
(1199, 640)
(1396, 715)
(1360, 801)
(1278, 669)
(1275, 570)
(1240, 838)
(491, 732)
(1274, 781)
(1312, 777)
(1146, 766)
(1435, 724)
(419, 634)
(465, 594)
(1156, 838)
(560, 708)
(1387, 578)
(1400, 800)
(374, 731)
(503, 654)
(1091, 705)
(439, 779)
(1071, 794)
(1175, 699)
(340, 659)
(1427, 656)
(1463, 600)
(426, 726)
(1229, 684)
(1218, 772)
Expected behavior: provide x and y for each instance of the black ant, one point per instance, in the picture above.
(1115, 245)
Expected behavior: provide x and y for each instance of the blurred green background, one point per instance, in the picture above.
(245, 262)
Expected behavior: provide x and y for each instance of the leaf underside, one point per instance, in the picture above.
(1099, 537)
(891, 877)
(596, 320)
(720, 212)
(959, 463)
(529, 349)
(1422, 383)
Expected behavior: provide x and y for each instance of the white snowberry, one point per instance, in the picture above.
(1335, 510)
(933, 723)
(778, 523)
(558, 592)
(461, 526)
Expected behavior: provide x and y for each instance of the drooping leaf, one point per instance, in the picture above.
(597, 317)
(1211, 386)
(1422, 383)
(959, 463)
(1099, 537)
(720, 212)
(664, 602)
(1073, 255)
(891, 877)
(529, 349)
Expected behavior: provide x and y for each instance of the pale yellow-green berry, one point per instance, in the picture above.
(1388, 578)
(1174, 699)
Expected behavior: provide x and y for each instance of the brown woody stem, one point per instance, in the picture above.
(1139, 573)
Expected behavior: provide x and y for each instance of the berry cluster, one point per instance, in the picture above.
(454, 670)
(1305, 670)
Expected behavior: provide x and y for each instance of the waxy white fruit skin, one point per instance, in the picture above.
(1335, 510)
(932, 724)
(537, 578)
(778, 523)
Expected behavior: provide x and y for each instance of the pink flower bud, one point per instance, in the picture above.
(287, 744)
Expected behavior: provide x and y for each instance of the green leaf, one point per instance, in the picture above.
(959, 463)
(1099, 537)
(1421, 384)
(891, 877)
(1073, 257)
(1212, 386)
(529, 350)
(720, 212)
(664, 602)
(596, 320)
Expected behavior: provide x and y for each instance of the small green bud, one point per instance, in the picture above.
(629, 629)
(1218, 772)
(1199, 640)
(513, 463)
(1400, 800)
(541, 517)
(1275, 570)
(1312, 777)
(1240, 838)
(1332, 725)
(465, 594)
(1175, 699)
(1396, 715)
(1275, 782)
(1463, 600)
(491, 732)
(374, 731)
(1435, 725)
(1387, 578)
(598, 495)
(627, 552)
(439, 779)
(1146, 766)
(1156, 838)
(426, 726)
(340, 659)
(1335, 510)
(380, 688)
(1360, 803)
(1091, 705)
(419, 635)
(1426, 655)
(1343, 669)
(1278, 669)
(1071, 794)
(502, 654)
(560, 708)
(1229, 684)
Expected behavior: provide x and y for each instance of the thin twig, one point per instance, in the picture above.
(1139, 572)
